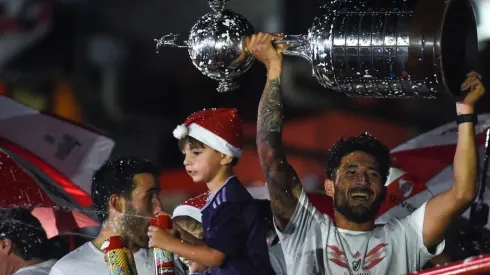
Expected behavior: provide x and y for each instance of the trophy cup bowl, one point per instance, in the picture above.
(216, 45)
(390, 48)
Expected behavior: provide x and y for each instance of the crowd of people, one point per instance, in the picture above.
(224, 230)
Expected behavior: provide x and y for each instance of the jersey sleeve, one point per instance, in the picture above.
(303, 229)
(413, 227)
(55, 271)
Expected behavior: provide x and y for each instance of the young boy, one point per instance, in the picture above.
(234, 236)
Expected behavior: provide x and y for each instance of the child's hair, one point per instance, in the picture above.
(194, 143)
(191, 225)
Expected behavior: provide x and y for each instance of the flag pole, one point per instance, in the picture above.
(479, 209)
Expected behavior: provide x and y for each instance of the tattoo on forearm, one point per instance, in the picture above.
(271, 114)
(282, 181)
(284, 190)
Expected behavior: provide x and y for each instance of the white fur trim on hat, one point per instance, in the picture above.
(187, 211)
(181, 132)
(214, 141)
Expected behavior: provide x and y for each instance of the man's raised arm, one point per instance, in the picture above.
(282, 182)
(444, 208)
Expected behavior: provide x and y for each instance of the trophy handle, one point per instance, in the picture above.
(170, 40)
(227, 85)
(297, 45)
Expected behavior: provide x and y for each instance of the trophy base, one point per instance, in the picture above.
(227, 86)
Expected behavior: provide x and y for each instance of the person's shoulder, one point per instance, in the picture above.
(43, 268)
(232, 192)
(416, 217)
(82, 250)
(391, 226)
(236, 192)
(69, 263)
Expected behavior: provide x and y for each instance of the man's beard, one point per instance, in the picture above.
(359, 213)
(135, 227)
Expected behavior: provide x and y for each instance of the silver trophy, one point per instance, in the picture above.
(216, 44)
(386, 48)
(371, 48)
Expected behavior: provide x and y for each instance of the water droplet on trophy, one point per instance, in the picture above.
(216, 45)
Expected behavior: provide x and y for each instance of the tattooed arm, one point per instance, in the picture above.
(283, 183)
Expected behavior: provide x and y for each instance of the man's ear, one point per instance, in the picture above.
(226, 160)
(6, 246)
(329, 187)
(116, 203)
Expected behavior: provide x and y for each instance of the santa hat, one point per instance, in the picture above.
(191, 207)
(218, 128)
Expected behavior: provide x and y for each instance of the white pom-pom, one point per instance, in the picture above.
(181, 132)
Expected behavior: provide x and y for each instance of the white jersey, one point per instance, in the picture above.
(87, 259)
(313, 245)
(276, 255)
(36, 269)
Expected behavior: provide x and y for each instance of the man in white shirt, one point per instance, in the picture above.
(357, 169)
(23, 244)
(276, 255)
(125, 195)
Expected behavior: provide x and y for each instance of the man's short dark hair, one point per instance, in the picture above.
(194, 143)
(364, 143)
(25, 231)
(116, 177)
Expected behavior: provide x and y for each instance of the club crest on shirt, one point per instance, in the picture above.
(406, 187)
(356, 265)
(360, 265)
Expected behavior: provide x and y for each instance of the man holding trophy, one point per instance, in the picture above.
(386, 49)
(357, 169)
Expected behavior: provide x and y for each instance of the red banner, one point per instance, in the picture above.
(470, 266)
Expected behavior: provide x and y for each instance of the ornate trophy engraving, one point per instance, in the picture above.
(216, 43)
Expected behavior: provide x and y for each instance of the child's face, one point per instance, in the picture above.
(202, 163)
